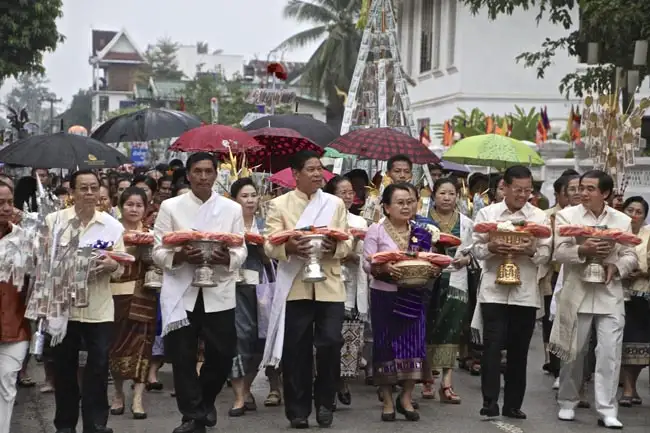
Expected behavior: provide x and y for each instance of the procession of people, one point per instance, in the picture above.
(308, 289)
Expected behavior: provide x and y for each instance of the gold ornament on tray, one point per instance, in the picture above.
(508, 272)
(414, 273)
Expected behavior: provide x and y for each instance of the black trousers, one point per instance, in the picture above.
(512, 327)
(310, 324)
(195, 394)
(94, 398)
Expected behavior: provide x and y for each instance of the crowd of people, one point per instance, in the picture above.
(396, 337)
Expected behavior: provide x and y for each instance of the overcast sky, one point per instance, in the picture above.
(245, 27)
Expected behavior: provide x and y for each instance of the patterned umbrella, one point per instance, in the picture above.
(382, 143)
(278, 144)
(492, 150)
(317, 131)
(219, 139)
(284, 178)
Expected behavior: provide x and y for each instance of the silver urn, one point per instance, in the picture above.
(153, 275)
(312, 272)
(594, 270)
(205, 275)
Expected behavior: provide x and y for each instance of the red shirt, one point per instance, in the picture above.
(13, 325)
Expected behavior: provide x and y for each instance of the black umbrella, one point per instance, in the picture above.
(146, 125)
(62, 150)
(317, 131)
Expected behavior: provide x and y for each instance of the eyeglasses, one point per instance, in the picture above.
(87, 188)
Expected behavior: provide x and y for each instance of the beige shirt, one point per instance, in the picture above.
(599, 298)
(283, 214)
(100, 308)
(526, 294)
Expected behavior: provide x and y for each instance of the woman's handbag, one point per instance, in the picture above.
(265, 292)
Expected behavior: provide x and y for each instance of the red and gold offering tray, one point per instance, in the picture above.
(185, 236)
(281, 237)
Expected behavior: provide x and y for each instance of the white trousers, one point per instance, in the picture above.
(609, 345)
(11, 361)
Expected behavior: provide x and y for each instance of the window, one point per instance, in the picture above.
(437, 33)
(426, 35)
(410, 24)
(451, 41)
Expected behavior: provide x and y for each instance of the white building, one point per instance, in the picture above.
(192, 58)
(464, 61)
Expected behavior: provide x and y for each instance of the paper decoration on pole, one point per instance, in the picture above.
(214, 110)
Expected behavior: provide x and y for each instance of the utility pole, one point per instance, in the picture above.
(52, 99)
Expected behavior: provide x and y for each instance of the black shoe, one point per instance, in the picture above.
(324, 416)
(250, 406)
(410, 415)
(299, 423)
(415, 404)
(139, 415)
(98, 429)
(191, 426)
(388, 417)
(153, 386)
(490, 411)
(236, 412)
(117, 411)
(211, 418)
(513, 413)
(345, 397)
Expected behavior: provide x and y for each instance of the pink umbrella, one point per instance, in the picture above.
(285, 179)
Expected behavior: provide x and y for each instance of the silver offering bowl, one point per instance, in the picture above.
(594, 270)
(205, 275)
(153, 276)
(312, 272)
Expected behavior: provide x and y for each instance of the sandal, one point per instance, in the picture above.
(636, 400)
(625, 401)
(26, 382)
(427, 391)
(448, 396)
(273, 399)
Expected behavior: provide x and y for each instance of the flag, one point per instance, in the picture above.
(503, 130)
(489, 125)
(542, 133)
(181, 104)
(424, 136)
(576, 123)
(569, 126)
(547, 123)
(510, 129)
(447, 134)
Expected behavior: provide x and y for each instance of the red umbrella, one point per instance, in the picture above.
(284, 178)
(382, 143)
(278, 144)
(218, 139)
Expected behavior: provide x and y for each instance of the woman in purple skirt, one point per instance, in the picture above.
(398, 314)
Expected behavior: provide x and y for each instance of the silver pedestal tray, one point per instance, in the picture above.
(153, 276)
(594, 270)
(205, 275)
(312, 272)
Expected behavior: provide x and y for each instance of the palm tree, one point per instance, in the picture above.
(332, 64)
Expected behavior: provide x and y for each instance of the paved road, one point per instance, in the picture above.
(34, 412)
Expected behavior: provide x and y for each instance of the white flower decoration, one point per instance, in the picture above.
(434, 231)
(506, 226)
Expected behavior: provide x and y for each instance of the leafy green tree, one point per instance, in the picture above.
(27, 29)
(80, 110)
(331, 66)
(230, 94)
(161, 62)
(614, 24)
(31, 92)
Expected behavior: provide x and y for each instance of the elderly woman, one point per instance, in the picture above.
(398, 332)
(356, 288)
(636, 336)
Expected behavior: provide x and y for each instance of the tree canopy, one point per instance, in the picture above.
(615, 25)
(332, 64)
(31, 92)
(80, 110)
(27, 29)
(161, 61)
